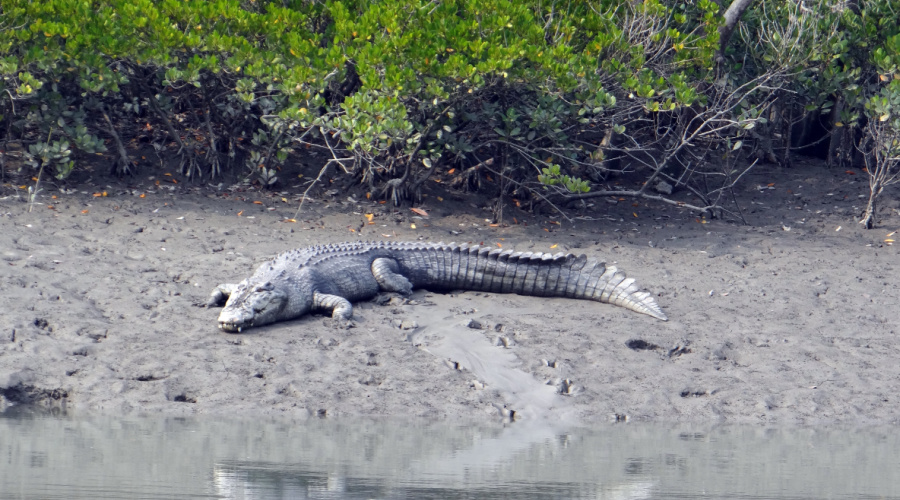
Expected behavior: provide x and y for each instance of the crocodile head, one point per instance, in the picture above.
(252, 304)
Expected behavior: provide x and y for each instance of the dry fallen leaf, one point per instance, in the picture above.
(142, 195)
(369, 218)
(257, 203)
(240, 213)
(554, 246)
(289, 220)
(412, 226)
(84, 211)
(97, 195)
(420, 212)
(499, 245)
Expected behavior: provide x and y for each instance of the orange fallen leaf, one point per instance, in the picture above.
(635, 204)
(850, 172)
(23, 187)
(420, 212)
(170, 175)
(554, 246)
(142, 195)
(440, 199)
(97, 195)
(515, 221)
(257, 203)
(499, 245)
(545, 229)
(494, 225)
(451, 171)
(352, 230)
(174, 181)
(51, 207)
(634, 214)
(84, 211)
(368, 196)
(289, 220)
(554, 222)
(240, 213)
(770, 184)
(53, 197)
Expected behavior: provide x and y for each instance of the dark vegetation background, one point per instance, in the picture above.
(539, 103)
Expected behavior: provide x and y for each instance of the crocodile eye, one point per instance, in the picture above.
(268, 286)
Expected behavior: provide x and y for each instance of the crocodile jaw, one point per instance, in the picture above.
(252, 305)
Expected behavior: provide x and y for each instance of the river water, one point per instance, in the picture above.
(46, 457)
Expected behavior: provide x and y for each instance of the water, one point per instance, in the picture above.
(164, 457)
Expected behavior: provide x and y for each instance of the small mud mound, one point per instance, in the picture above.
(21, 394)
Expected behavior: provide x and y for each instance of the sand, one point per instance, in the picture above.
(790, 318)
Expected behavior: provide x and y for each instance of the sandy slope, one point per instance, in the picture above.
(785, 320)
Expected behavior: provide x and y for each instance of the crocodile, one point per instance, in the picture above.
(330, 277)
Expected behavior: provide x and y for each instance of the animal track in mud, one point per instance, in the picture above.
(692, 393)
(678, 350)
(641, 345)
(183, 398)
(43, 324)
(149, 377)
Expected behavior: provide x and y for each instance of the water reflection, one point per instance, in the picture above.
(159, 457)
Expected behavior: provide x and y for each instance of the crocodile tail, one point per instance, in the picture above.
(536, 274)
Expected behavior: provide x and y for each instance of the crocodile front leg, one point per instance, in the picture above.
(220, 294)
(340, 307)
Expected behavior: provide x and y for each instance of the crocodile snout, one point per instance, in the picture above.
(231, 322)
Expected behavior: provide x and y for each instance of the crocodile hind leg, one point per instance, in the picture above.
(340, 307)
(220, 294)
(388, 278)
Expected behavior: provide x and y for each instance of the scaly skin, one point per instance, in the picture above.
(330, 277)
